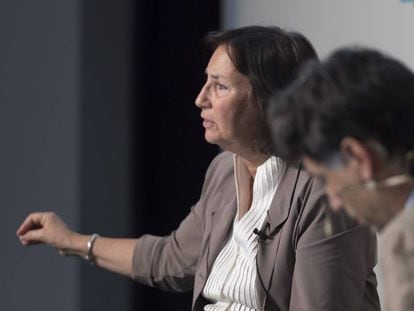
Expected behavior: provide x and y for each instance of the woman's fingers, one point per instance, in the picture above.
(31, 237)
(33, 221)
(44, 227)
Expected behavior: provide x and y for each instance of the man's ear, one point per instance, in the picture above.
(359, 156)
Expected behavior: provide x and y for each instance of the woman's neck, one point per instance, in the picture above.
(249, 154)
(253, 161)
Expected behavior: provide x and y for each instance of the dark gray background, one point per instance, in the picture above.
(90, 123)
(39, 137)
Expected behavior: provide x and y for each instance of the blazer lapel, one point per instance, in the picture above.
(277, 214)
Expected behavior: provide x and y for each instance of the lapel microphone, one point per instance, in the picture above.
(261, 232)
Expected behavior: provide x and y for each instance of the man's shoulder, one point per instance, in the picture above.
(403, 221)
(399, 232)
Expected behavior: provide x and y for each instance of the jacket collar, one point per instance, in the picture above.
(281, 205)
(277, 215)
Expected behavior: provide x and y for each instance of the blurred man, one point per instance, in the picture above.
(351, 120)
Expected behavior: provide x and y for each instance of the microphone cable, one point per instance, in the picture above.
(263, 237)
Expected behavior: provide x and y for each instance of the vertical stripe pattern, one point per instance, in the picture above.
(231, 284)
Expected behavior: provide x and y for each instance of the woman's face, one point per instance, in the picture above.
(227, 108)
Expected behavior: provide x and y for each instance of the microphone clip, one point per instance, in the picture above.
(261, 234)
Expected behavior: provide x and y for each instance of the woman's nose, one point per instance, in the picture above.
(202, 100)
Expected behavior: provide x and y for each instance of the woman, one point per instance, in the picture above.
(255, 239)
(358, 136)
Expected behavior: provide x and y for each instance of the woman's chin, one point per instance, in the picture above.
(214, 140)
(211, 137)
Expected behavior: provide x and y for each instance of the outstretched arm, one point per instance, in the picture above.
(48, 228)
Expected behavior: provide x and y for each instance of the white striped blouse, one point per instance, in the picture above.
(231, 283)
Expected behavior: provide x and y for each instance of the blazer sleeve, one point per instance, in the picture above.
(331, 271)
(397, 261)
(170, 262)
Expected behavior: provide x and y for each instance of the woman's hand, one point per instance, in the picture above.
(47, 228)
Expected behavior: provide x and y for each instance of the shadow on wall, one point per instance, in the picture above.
(143, 151)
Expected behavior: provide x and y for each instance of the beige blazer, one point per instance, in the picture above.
(299, 268)
(397, 261)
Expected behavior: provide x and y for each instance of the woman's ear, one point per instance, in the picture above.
(359, 156)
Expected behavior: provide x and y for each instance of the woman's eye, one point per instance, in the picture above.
(221, 87)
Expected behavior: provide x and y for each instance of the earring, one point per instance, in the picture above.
(371, 184)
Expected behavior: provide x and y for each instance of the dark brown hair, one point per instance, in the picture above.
(270, 57)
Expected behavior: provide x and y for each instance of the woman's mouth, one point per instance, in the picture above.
(207, 123)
